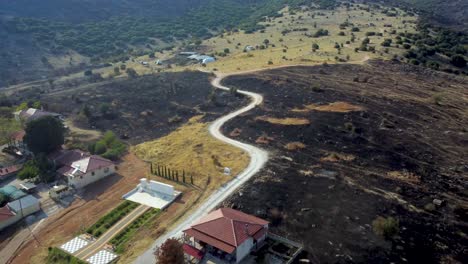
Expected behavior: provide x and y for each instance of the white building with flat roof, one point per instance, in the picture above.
(152, 193)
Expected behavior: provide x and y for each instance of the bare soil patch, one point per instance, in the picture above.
(338, 107)
(391, 158)
(287, 121)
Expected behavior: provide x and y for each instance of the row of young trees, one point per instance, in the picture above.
(165, 172)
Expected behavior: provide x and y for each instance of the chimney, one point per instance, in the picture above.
(246, 229)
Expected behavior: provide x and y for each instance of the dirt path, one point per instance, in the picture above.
(97, 245)
(258, 158)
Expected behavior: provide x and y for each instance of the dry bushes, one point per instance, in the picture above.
(293, 146)
(287, 121)
(337, 107)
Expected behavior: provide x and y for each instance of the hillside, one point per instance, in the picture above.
(453, 14)
(354, 145)
(61, 32)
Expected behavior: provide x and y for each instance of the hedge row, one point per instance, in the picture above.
(120, 240)
(107, 221)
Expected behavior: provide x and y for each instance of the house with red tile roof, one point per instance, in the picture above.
(9, 171)
(80, 168)
(7, 217)
(14, 211)
(227, 234)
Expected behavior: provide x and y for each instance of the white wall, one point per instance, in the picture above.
(10, 221)
(161, 187)
(244, 249)
(81, 181)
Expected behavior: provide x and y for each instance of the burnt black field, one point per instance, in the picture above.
(405, 148)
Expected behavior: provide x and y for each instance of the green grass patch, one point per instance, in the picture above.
(7, 127)
(58, 256)
(121, 239)
(107, 221)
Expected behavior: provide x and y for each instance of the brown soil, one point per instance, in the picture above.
(338, 107)
(391, 158)
(287, 121)
(292, 146)
(97, 200)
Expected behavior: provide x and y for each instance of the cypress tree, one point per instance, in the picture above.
(191, 178)
(177, 175)
(151, 167)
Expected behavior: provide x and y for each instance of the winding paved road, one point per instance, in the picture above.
(258, 158)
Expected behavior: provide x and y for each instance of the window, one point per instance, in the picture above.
(92, 173)
(106, 169)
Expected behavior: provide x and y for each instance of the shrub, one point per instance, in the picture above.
(387, 43)
(100, 147)
(458, 61)
(386, 227)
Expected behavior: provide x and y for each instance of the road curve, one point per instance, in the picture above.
(258, 158)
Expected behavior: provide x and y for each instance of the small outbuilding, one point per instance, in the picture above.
(18, 209)
(152, 193)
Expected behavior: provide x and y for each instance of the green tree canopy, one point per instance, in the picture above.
(45, 135)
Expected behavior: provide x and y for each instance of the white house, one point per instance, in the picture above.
(80, 169)
(33, 113)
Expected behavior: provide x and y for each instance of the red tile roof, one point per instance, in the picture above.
(227, 228)
(18, 136)
(9, 170)
(67, 157)
(192, 251)
(6, 213)
(98, 162)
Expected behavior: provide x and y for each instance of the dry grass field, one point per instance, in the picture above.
(191, 148)
(295, 47)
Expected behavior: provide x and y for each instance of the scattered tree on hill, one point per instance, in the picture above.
(321, 32)
(458, 61)
(170, 252)
(131, 73)
(315, 47)
(226, 51)
(45, 135)
(88, 73)
(387, 43)
(123, 67)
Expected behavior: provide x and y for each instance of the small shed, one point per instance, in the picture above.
(25, 206)
(28, 187)
(12, 192)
